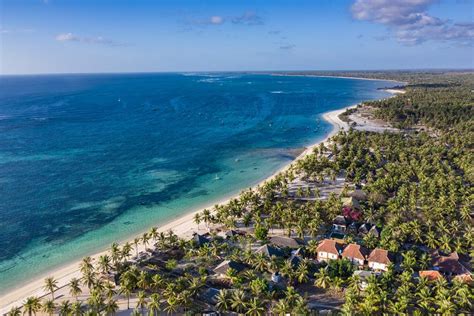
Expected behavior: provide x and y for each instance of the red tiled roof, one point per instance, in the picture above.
(449, 263)
(329, 246)
(379, 255)
(355, 251)
(465, 278)
(431, 275)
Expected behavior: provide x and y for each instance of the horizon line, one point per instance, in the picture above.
(243, 71)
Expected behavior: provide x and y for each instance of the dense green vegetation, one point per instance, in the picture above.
(419, 190)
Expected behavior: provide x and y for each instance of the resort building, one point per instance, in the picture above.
(356, 254)
(379, 260)
(328, 249)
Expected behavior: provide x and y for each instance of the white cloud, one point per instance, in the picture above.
(248, 18)
(216, 20)
(64, 37)
(410, 22)
(70, 37)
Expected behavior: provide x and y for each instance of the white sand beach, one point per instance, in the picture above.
(184, 227)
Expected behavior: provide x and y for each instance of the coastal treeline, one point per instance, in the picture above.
(406, 194)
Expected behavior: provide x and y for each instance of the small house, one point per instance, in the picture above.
(355, 253)
(286, 242)
(379, 260)
(270, 251)
(328, 249)
(224, 266)
(340, 224)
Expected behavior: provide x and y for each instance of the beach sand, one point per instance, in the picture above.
(184, 227)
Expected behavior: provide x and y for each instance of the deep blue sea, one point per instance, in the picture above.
(86, 160)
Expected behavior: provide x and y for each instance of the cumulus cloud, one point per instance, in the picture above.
(410, 22)
(70, 37)
(248, 18)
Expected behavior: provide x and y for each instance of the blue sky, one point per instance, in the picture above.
(67, 36)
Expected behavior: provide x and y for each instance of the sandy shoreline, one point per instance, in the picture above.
(183, 226)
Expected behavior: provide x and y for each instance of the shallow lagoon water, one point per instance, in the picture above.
(86, 160)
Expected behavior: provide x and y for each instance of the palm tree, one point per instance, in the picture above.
(322, 279)
(281, 307)
(32, 305)
(126, 250)
(50, 285)
(111, 307)
(197, 219)
(136, 312)
(336, 284)
(145, 239)
(157, 281)
(65, 308)
(223, 300)
(95, 301)
(76, 309)
(74, 288)
(14, 311)
(49, 307)
(172, 306)
(127, 289)
(154, 233)
(302, 271)
(143, 280)
(256, 307)
(136, 241)
(141, 301)
(86, 265)
(89, 279)
(109, 289)
(238, 303)
(104, 264)
(154, 304)
(115, 253)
